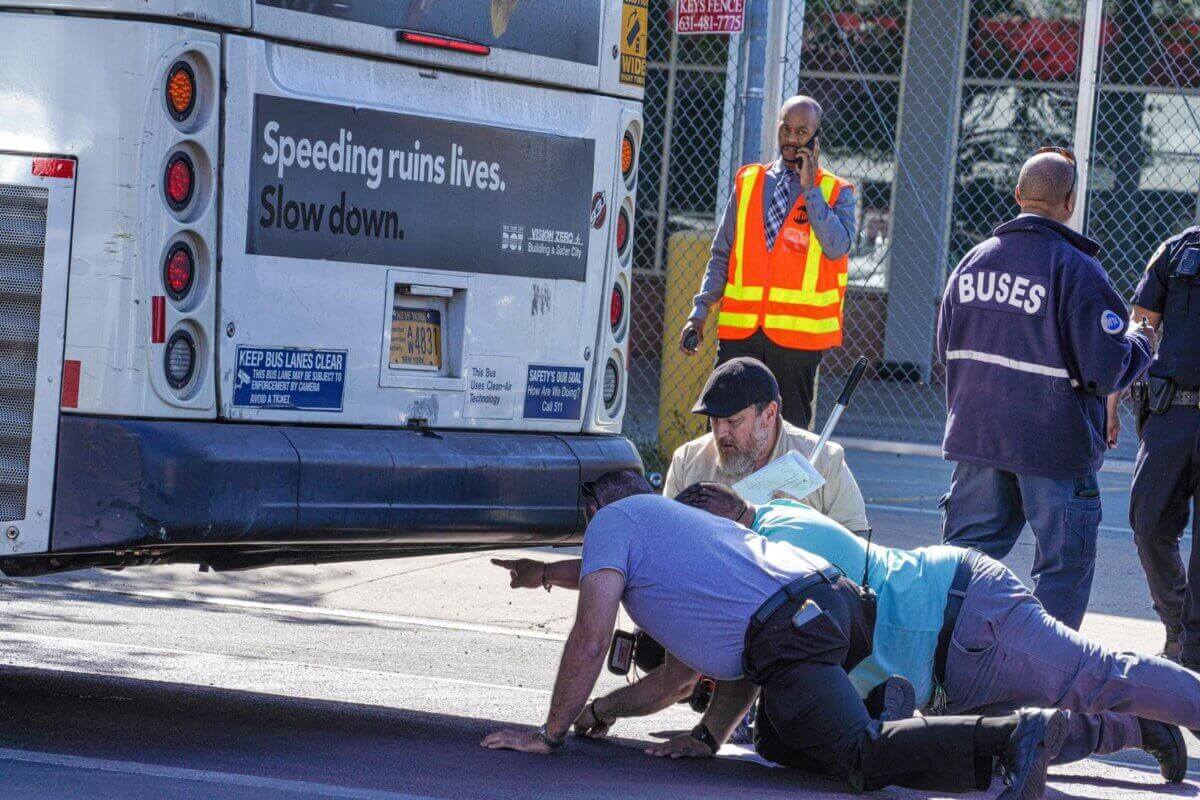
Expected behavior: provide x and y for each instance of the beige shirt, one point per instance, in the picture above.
(839, 499)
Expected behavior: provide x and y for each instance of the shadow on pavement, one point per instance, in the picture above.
(351, 745)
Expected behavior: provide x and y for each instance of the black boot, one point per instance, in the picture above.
(893, 699)
(1033, 745)
(1172, 650)
(1165, 742)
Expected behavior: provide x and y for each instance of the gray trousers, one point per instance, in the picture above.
(1008, 653)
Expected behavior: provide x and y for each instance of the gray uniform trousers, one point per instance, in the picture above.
(1008, 653)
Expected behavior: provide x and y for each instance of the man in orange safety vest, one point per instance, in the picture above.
(778, 265)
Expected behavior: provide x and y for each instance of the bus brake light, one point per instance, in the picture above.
(616, 308)
(179, 271)
(626, 155)
(622, 231)
(443, 42)
(180, 180)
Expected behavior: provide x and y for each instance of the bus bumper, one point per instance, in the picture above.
(125, 483)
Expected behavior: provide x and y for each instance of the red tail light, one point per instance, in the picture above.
(179, 271)
(443, 42)
(181, 91)
(622, 231)
(616, 308)
(180, 181)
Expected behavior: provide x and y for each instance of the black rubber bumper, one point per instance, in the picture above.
(128, 483)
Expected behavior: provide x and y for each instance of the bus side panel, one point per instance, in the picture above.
(104, 107)
(504, 243)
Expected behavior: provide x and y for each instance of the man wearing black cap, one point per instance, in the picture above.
(742, 402)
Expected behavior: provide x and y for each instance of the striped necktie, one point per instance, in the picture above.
(780, 205)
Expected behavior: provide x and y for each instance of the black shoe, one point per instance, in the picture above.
(1165, 742)
(1172, 649)
(899, 698)
(1033, 745)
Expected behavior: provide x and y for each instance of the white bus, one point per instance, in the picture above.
(289, 281)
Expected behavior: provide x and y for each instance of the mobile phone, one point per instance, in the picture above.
(691, 341)
(812, 140)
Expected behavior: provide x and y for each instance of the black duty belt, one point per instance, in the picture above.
(958, 592)
(1186, 398)
(787, 594)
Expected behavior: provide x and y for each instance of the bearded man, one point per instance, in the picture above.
(742, 402)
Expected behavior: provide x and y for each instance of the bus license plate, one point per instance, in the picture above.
(416, 338)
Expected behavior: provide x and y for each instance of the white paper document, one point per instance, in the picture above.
(791, 473)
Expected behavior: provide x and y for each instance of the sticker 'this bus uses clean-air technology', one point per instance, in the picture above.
(553, 392)
(339, 183)
(288, 379)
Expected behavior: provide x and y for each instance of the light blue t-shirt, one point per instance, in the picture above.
(912, 586)
(692, 579)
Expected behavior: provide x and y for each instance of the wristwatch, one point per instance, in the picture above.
(701, 733)
(544, 737)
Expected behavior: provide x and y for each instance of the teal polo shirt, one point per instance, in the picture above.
(912, 585)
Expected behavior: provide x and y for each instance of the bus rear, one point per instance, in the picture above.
(305, 281)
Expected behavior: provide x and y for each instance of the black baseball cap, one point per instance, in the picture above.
(735, 385)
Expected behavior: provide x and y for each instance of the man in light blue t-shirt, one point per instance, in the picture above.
(1001, 649)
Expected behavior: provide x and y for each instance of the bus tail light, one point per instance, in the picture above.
(179, 271)
(443, 42)
(180, 181)
(616, 309)
(628, 157)
(622, 232)
(179, 360)
(181, 91)
(612, 385)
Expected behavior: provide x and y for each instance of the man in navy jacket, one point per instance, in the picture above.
(1034, 336)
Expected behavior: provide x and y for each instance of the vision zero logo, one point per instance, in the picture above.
(599, 210)
(513, 238)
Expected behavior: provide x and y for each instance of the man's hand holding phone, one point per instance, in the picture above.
(809, 162)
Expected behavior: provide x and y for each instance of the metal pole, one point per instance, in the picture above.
(1085, 111)
(731, 123)
(664, 167)
(758, 14)
(782, 78)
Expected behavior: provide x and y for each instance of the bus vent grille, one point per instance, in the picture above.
(22, 252)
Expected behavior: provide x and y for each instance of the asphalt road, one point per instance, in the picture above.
(378, 680)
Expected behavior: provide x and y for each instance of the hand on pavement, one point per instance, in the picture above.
(682, 746)
(590, 725)
(521, 741)
(524, 573)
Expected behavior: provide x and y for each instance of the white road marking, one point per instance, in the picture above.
(202, 776)
(134, 649)
(309, 611)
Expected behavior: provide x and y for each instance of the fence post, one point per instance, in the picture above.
(664, 169)
(782, 79)
(754, 40)
(1085, 111)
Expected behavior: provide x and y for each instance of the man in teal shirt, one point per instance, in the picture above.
(912, 585)
(1002, 650)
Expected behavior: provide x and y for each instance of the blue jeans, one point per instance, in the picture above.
(987, 508)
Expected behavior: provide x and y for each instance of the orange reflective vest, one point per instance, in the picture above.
(792, 291)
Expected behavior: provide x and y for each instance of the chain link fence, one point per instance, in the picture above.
(930, 108)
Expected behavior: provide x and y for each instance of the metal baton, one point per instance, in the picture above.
(840, 406)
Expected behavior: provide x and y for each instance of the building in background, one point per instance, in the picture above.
(931, 107)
